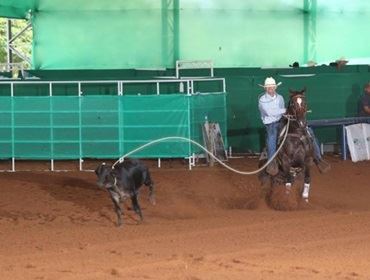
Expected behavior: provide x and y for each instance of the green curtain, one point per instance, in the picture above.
(118, 34)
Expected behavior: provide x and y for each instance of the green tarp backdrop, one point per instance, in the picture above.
(116, 34)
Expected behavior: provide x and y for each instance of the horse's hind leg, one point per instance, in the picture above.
(136, 206)
(307, 183)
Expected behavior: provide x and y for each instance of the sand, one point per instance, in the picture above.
(208, 223)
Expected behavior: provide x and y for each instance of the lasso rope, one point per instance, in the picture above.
(208, 152)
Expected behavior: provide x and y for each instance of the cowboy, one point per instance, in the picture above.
(364, 110)
(311, 63)
(339, 63)
(271, 106)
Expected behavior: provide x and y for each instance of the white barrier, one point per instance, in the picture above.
(358, 136)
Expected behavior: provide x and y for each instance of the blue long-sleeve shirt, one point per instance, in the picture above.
(271, 107)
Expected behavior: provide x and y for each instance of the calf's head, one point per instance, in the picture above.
(105, 174)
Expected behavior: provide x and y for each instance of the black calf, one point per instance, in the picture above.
(123, 181)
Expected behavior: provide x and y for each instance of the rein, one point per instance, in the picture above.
(292, 107)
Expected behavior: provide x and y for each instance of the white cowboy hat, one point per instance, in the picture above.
(270, 82)
(342, 60)
(311, 63)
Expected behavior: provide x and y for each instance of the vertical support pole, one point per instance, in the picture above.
(309, 29)
(80, 124)
(12, 124)
(190, 108)
(225, 140)
(344, 143)
(121, 134)
(166, 23)
(191, 161)
(9, 58)
(119, 88)
(176, 30)
(51, 126)
(170, 31)
(188, 87)
(120, 119)
(181, 87)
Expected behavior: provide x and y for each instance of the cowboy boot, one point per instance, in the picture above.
(272, 169)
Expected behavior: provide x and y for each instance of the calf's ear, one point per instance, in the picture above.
(99, 168)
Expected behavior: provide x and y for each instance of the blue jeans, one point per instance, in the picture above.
(272, 130)
(316, 146)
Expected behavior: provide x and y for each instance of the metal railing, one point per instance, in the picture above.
(184, 84)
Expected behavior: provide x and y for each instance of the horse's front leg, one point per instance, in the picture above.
(287, 175)
(307, 183)
(288, 182)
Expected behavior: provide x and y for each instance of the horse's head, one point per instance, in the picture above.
(297, 106)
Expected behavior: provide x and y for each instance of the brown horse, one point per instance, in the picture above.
(297, 153)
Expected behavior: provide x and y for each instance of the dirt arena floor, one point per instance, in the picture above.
(209, 223)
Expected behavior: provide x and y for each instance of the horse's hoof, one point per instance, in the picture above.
(272, 169)
(288, 188)
(306, 191)
(152, 200)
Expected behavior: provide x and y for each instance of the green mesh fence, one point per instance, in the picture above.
(72, 127)
(331, 93)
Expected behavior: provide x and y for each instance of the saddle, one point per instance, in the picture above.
(307, 141)
(306, 138)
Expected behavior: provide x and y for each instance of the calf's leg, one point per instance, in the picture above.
(116, 202)
(136, 206)
(151, 194)
(150, 184)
